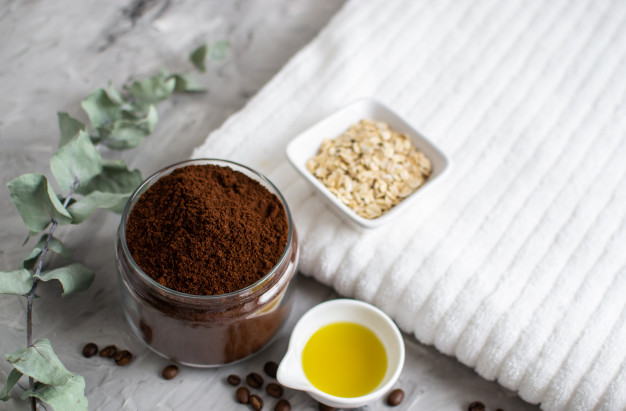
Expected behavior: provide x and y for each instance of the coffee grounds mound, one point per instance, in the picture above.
(207, 230)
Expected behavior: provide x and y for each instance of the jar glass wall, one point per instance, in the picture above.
(206, 330)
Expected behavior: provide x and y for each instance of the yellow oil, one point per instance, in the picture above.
(344, 359)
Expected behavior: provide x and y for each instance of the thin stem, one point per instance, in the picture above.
(29, 339)
(29, 318)
(31, 294)
(33, 400)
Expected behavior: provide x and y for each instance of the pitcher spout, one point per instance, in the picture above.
(290, 373)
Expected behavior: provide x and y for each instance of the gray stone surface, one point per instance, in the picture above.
(52, 54)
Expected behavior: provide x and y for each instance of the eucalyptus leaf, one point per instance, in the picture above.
(101, 108)
(115, 96)
(104, 132)
(73, 278)
(36, 202)
(135, 112)
(78, 159)
(219, 51)
(198, 57)
(151, 119)
(67, 397)
(153, 89)
(69, 128)
(55, 245)
(40, 362)
(187, 83)
(125, 134)
(142, 115)
(84, 207)
(15, 282)
(13, 378)
(114, 178)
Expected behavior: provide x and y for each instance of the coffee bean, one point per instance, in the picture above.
(243, 395)
(109, 351)
(274, 390)
(324, 407)
(123, 358)
(282, 405)
(395, 397)
(90, 349)
(476, 406)
(233, 379)
(255, 402)
(270, 368)
(169, 372)
(254, 380)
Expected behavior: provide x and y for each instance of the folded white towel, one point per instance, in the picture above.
(516, 265)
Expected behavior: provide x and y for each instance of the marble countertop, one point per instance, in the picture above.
(53, 55)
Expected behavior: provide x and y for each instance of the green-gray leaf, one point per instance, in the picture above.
(55, 245)
(153, 89)
(84, 207)
(186, 83)
(69, 128)
(15, 282)
(219, 51)
(115, 96)
(151, 119)
(115, 178)
(78, 159)
(142, 115)
(74, 277)
(67, 397)
(198, 57)
(36, 202)
(14, 377)
(101, 108)
(40, 362)
(125, 134)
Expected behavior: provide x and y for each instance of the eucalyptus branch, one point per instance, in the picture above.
(46, 247)
(118, 120)
(31, 294)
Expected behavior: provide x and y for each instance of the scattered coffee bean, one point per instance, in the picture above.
(254, 380)
(270, 368)
(275, 390)
(233, 379)
(476, 406)
(395, 397)
(169, 372)
(109, 351)
(90, 349)
(282, 405)
(242, 395)
(324, 407)
(123, 358)
(255, 402)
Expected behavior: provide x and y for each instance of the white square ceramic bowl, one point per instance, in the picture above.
(306, 145)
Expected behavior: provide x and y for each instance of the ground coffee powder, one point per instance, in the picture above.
(207, 230)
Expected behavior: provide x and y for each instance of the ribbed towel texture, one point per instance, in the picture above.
(517, 264)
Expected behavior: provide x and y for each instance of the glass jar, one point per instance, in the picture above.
(206, 330)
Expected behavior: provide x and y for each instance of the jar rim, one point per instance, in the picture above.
(121, 232)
